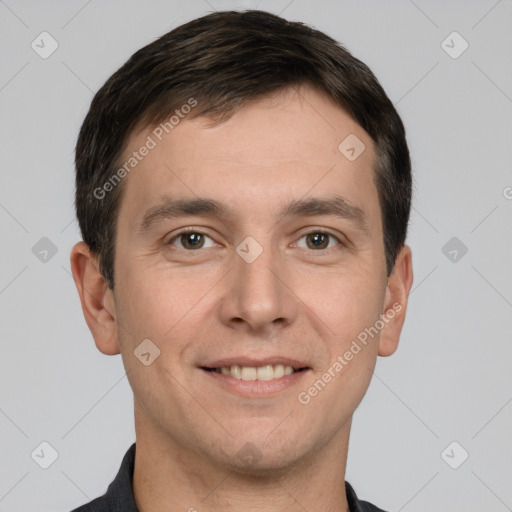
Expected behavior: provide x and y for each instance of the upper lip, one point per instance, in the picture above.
(251, 361)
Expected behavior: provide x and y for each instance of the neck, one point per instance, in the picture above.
(168, 476)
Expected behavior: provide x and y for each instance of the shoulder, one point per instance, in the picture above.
(357, 505)
(119, 495)
(97, 505)
(368, 507)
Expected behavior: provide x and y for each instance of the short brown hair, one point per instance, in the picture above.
(224, 60)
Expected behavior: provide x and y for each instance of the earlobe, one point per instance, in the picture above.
(395, 304)
(96, 299)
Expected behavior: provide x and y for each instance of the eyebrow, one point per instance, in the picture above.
(172, 208)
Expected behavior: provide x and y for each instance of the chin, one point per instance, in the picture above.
(267, 465)
(263, 457)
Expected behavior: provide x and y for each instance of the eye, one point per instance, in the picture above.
(319, 240)
(190, 240)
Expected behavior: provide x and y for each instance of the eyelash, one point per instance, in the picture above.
(192, 230)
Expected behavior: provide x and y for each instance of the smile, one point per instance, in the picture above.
(251, 373)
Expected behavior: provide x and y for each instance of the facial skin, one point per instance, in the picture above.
(200, 306)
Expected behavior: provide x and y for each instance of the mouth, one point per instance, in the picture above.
(265, 372)
(252, 377)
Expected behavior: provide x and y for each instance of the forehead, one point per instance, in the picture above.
(287, 144)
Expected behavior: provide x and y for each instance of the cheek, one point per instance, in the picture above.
(351, 347)
(346, 301)
(168, 308)
(149, 306)
(155, 309)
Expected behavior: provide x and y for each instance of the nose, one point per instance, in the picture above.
(258, 296)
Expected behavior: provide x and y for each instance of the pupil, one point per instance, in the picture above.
(318, 239)
(192, 239)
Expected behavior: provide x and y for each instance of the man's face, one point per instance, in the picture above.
(295, 294)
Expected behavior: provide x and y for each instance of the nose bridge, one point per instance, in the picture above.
(259, 295)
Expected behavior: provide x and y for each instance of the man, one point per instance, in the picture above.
(243, 192)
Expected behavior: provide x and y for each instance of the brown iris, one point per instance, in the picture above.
(319, 240)
(192, 240)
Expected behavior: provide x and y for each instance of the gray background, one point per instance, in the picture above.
(451, 377)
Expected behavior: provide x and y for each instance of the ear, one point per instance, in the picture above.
(395, 304)
(96, 298)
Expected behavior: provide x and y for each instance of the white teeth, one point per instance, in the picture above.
(265, 372)
(250, 373)
(235, 372)
(279, 371)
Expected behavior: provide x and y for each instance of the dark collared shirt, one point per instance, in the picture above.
(119, 495)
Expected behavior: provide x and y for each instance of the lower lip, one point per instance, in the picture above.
(255, 388)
